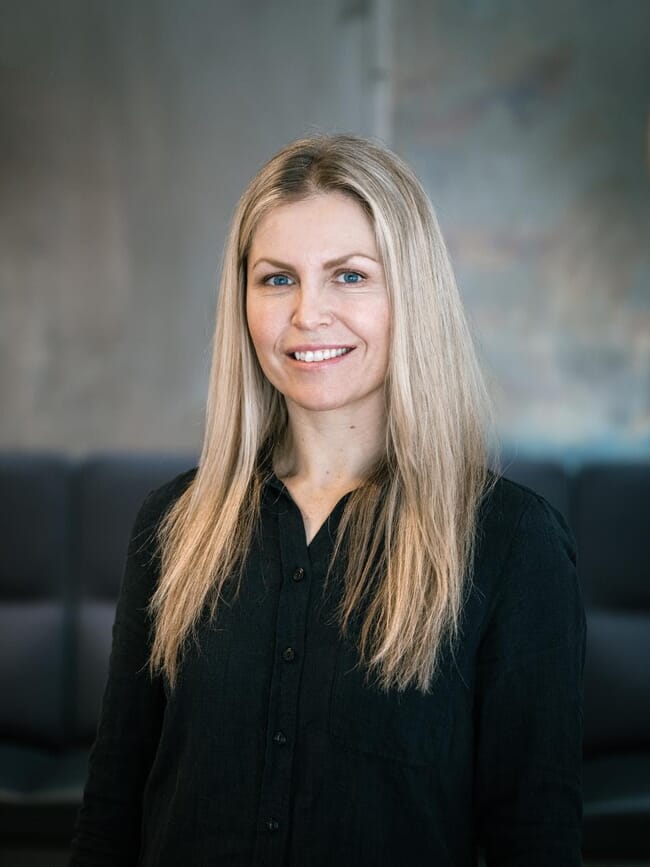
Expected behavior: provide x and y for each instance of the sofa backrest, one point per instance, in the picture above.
(34, 597)
(610, 514)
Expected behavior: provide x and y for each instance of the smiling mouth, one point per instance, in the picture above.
(320, 354)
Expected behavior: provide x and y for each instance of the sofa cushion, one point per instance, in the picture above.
(40, 792)
(617, 806)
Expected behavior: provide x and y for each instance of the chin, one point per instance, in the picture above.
(318, 402)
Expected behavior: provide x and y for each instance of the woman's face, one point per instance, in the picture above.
(317, 305)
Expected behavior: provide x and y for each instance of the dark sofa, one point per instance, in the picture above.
(64, 526)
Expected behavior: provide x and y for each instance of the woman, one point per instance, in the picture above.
(341, 640)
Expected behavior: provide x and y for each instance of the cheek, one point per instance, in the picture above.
(263, 335)
(255, 323)
(382, 326)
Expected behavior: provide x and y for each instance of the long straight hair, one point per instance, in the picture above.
(408, 532)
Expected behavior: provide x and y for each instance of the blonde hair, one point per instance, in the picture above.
(410, 529)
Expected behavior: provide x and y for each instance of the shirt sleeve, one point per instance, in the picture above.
(528, 793)
(108, 825)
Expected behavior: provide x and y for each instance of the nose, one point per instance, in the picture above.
(311, 309)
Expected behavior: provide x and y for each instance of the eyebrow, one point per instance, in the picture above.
(331, 264)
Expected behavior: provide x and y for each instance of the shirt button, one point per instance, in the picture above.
(299, 574)
(273, 825)
(280, 737)
(288, 654)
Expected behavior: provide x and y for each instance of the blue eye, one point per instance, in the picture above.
(354, 274)
(277, 277)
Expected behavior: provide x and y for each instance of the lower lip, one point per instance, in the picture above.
(319, 365)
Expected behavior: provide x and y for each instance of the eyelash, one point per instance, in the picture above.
(265, 280)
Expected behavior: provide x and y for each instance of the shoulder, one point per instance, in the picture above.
(525, 569)
(142, 567)
(152, 510)
(160, 499)
(519, 524)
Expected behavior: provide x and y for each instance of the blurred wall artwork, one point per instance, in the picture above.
(528, 122)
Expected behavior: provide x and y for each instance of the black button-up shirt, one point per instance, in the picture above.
(273, 751)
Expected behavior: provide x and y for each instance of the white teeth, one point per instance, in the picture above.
(319, 354)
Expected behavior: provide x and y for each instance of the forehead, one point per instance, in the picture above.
(324, 222)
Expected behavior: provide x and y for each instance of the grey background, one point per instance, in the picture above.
(128, 131)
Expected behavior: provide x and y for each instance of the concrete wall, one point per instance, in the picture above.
(128, 131)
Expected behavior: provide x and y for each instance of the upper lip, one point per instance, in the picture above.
(311, 348)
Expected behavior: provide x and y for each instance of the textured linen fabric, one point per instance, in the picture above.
(273, 750)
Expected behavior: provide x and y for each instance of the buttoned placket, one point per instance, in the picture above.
(290, 632)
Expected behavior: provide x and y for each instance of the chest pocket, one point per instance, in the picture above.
(407, 726)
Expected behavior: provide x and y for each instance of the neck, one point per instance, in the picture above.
(331, 450)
